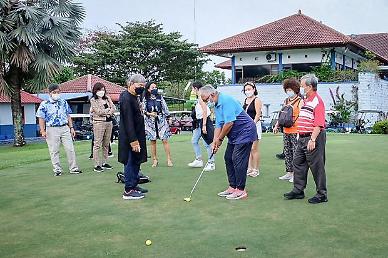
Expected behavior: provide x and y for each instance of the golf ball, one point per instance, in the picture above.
(148, 242)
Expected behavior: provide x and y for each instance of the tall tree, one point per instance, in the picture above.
(139, 48)
(36, 36)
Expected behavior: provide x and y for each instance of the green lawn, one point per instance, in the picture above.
(84, 215)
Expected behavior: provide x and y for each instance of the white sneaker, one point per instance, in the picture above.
(210, 166)
(287, 176)
(196, 164)
(291, 179)
(254, 173)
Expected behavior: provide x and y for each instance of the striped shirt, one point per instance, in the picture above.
(312, 114)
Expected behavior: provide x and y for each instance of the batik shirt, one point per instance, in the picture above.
(54, 113)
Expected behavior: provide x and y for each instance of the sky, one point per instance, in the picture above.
(218, 19)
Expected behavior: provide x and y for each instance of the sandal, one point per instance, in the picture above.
(254, 173)
(155, 163)
(169, 163)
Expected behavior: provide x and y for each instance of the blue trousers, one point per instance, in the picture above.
(131, 173)
(236, 161)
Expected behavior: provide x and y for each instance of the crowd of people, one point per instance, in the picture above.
(144, 116)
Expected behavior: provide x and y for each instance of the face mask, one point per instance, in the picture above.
(55, 97)
(154, 92)
(139, 91)
(249, 93)
(100, 93)
(290, 94)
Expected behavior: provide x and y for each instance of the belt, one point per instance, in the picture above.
(58, 125)
(304, 135)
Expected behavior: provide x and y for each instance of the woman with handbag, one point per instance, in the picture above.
(291, 88)
(101, 110)
(156, 124)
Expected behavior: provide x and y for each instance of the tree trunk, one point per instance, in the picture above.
(16, 105)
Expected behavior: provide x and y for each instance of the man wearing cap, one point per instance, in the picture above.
(56, 126)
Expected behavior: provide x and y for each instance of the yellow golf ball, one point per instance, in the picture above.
(148, 242)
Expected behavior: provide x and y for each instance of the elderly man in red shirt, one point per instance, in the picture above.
(310, 151)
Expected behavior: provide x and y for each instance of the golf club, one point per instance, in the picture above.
(188, 199)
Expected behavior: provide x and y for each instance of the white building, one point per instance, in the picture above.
(297, 42)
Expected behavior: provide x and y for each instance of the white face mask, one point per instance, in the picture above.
(290, 94)
(55, 97)
(249, 93)
(100, 93)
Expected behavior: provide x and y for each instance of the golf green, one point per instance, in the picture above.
(85, 216)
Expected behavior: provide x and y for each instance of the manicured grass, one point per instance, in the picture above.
(84, 215)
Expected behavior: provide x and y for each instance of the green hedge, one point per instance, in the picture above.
(380, 127)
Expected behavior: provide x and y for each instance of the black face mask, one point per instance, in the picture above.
(139, 91)
(154, 92)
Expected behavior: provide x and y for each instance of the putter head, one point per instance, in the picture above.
(187, 199)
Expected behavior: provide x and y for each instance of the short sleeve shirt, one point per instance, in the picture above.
(312, 114)
(54, 113)
(229, 110)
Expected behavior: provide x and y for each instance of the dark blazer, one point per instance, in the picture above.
(131, 129)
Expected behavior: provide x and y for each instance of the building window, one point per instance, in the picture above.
(305, 56)
(289, 56)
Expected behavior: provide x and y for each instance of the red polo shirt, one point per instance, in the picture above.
(312, 114)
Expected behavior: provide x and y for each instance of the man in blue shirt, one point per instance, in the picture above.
(232, 121)
(57, 127)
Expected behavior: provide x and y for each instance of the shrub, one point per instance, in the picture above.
(380, 127)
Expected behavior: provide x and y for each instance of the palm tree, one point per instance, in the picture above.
(36, 37)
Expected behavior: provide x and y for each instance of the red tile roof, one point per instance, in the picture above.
(225, 65)
(27, 98)
(377, 43)
(85, 84)
(295, 31)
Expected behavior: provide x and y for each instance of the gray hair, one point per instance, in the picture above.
(310, 80)
(136, 78)
(207, 90)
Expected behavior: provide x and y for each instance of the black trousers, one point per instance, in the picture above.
(236, 161)
(313, 160)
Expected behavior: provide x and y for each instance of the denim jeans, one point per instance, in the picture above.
(131, 173)
(197, 148)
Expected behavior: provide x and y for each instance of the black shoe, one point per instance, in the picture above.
(77, 171)
(318, 199)
(91, 157)
(293, 195)
(140, 189)
(98, 169)
(106, 166)
(280, 156)
(58, 173)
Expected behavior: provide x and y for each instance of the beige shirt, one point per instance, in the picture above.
(98, 110)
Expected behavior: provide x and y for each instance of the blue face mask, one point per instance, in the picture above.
(290, 94)
(154, 91)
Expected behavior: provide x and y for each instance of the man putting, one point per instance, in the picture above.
(234, 122)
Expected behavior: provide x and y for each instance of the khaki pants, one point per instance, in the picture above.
(102, 132)
(56, 136)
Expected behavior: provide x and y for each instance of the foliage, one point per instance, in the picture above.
(343, 108)
(214, 77)
(65, 74)
(36, 37)
(380, 127)
(370, 65)
(139, 48)
(323, 72)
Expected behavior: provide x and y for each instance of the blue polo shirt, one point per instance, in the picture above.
(228, 109)
(54, 113)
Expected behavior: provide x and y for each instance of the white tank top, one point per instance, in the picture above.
(198, 111)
